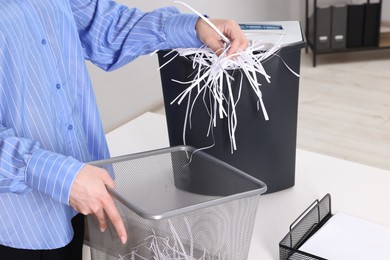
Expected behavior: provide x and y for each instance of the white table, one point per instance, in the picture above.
(356, 189)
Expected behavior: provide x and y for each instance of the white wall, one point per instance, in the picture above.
(386, 12)
(129, 91)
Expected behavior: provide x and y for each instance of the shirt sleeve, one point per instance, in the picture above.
(25, 167)
(113, 35)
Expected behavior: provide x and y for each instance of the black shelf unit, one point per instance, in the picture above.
(383, 41)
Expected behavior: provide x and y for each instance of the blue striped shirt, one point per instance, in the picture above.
(49, 121)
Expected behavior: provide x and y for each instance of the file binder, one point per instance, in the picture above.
(339, 27)
(323, 28)
(355, 25)
(372, 25)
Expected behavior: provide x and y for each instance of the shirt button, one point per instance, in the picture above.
(70, 127)
(58, 86)
(43, 41)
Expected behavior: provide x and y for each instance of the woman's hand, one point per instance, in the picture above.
(89, 195)
(212, 39)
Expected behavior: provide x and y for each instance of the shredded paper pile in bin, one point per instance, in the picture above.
(178, 201)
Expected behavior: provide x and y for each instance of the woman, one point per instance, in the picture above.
(49, 121)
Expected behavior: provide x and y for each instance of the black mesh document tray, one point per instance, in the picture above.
(303, 228)
(178, 192)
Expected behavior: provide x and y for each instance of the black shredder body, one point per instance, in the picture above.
(265, 149)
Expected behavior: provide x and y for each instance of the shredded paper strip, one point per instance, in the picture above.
(168, 248)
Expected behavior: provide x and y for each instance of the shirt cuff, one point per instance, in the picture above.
(52, 174)
(180, 31)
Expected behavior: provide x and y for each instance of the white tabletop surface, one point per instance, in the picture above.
(356, 189)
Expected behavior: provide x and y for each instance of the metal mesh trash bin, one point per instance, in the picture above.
(265, 149)
(165, 204)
